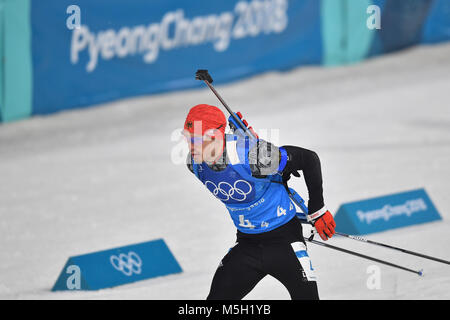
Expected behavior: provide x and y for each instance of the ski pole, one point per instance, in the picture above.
(420, 272)
(301, 203)
(206, 77)
(361, 239)
(392, 247)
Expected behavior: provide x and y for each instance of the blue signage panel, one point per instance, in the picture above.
(437, 25)
(125, 48)
(387, 212)
(117, 266)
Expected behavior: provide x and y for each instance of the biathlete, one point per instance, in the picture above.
(249, 176)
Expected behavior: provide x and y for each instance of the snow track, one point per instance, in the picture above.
(97, 178)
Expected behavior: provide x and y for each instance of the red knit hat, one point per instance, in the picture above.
(204, 117)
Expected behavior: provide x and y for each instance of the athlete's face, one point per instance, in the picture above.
(208, 147)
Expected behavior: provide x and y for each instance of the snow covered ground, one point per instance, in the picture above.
(98, 178)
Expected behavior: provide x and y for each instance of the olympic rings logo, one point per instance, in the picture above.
(225, 191)
(127, 263)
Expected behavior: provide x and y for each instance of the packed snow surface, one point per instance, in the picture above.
(98, 178)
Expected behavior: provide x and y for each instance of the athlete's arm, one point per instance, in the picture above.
(265, 159)
(307, 161)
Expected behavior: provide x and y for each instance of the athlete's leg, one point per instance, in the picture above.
(237, 274)
(289, 263)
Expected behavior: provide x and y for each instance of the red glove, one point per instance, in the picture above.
(324, 223)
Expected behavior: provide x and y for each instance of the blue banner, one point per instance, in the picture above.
(408, 23)
(126, 48)
(437, 25)
(401, 24)
(385, 213)
(117, 266)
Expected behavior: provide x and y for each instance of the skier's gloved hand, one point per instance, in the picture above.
(324, 223)
(235, 127)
